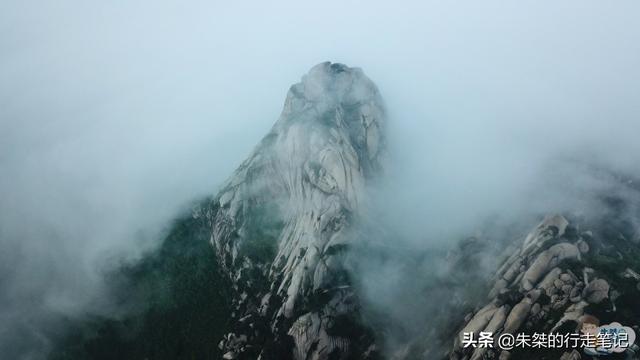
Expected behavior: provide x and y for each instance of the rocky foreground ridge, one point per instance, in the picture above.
(554, 278)
(283, 220)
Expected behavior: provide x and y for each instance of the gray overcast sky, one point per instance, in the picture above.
(114, 114)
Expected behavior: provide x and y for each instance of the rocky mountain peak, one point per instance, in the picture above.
(338, 97)
(282, 222)
(335, 83)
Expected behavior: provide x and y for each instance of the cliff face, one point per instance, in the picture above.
(283, 221)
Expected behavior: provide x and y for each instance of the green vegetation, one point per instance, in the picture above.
(263, 225)
(180, 301)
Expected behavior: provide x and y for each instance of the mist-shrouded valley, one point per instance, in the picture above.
(320, 181)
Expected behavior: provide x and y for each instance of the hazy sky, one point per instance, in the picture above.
(114, 114)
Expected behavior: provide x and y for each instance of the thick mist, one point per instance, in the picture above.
(115, 116)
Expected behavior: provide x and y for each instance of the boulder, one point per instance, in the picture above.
(596, 291)
(546, 261)
(583, 246)
(517, 316)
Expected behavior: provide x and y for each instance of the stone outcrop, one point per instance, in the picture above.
(283, 221)
(596, 291)
(545, 285)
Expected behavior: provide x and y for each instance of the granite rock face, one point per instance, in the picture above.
(283, 221)
(549, 284)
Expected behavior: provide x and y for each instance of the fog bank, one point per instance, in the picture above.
(114, 116)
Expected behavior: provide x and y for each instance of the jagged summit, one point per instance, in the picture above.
(282, 222)
(335, 83)
(340, 97)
